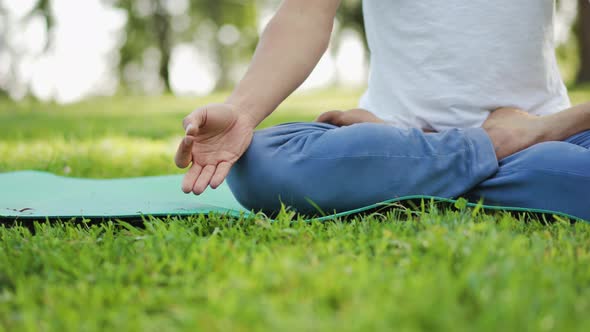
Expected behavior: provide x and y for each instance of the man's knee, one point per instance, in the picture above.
(266, 175)
(551, 156)
(551, 171)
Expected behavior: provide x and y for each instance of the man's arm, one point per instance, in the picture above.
(290, 47)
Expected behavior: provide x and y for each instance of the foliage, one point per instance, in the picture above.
(3, 30)
(154, 27)
(43, 8)
(582, 31)
(160, 29)
(350, 16)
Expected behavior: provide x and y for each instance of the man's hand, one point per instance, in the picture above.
(216, 137)
(350, 117)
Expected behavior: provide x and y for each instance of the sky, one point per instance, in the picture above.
(87, 36)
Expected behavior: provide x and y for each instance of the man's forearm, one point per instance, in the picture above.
(289, 49)
(569, 122)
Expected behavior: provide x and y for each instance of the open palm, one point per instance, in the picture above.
(216, 137)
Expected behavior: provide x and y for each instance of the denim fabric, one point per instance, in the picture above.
(313, 165)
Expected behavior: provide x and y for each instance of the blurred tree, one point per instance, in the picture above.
(43, 9)
(14, 52)
(145, 28)
(583, 35)
(3, 31)
(153, 23)
(235, 23)
(350, 15)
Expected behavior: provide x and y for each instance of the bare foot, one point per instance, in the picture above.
(512, 130)
(350, 117)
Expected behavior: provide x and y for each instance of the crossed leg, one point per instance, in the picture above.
(551, 176)
(310, 165)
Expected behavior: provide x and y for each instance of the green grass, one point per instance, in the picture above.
(432, 269)
(120, 137)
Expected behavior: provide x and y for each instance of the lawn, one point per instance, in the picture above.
(430, 269)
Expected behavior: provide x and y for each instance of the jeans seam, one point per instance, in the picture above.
(381, 156)
(474, 154)
(435, 155)
(549, 170)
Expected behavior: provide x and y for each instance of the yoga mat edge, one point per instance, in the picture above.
(32, 195)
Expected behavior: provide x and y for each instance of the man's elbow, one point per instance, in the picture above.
(313, 26)
(318, 15)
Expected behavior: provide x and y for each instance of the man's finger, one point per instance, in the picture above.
(220, 174)
(188, 182)
(183, 154)
(203, 179)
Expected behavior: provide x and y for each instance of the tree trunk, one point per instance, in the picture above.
(221, 52)
(584, 41)
(163, 35)
(224, 82)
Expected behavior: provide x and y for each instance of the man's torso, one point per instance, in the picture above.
(445, 64)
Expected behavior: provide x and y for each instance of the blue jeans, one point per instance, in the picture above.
(310, 165)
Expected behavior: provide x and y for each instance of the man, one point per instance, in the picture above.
(438, 70)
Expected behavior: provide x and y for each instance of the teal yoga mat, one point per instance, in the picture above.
(30, 195)
(34, 195)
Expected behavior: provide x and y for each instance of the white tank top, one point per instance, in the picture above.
(445, 64)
